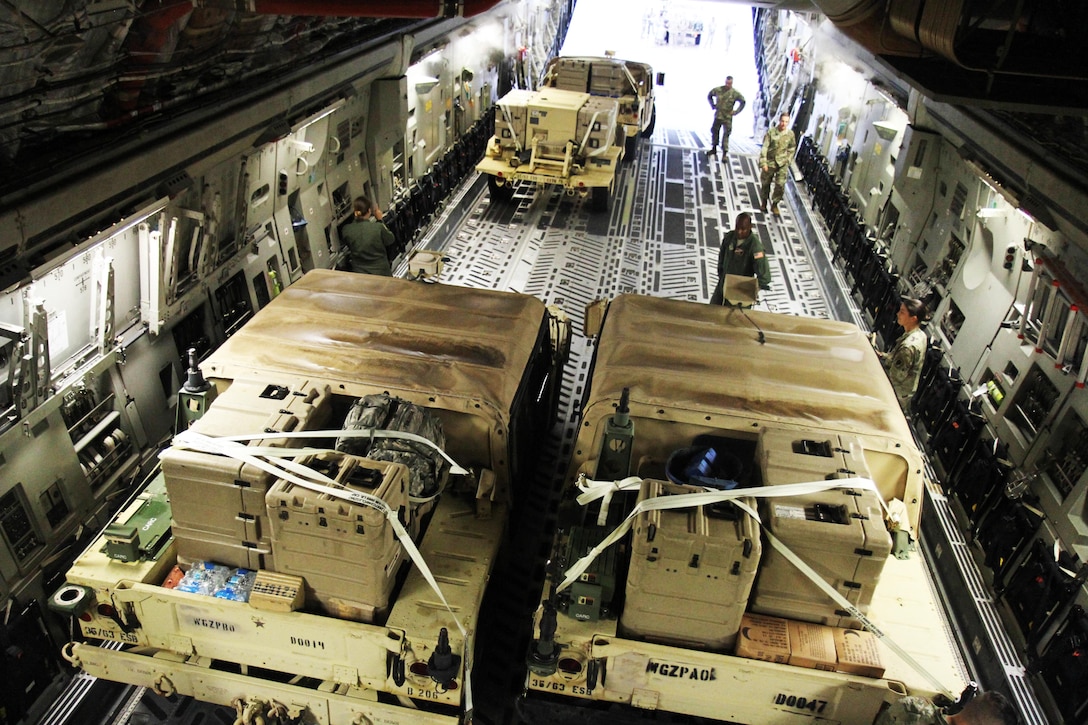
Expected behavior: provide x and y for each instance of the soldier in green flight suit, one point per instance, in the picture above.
(723, 100)
(742, 254)
(779, 146)
(368, 239)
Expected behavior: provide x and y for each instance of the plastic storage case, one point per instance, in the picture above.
(596, 123)
(217, 502)
(511, 118)
(347, 553)
(840, 533)
(691, 571)
(553, 114)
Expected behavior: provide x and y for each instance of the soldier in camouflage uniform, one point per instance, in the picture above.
(989, 708)
(910, 711)
(779, 146)
(723, 100)
(903, 362)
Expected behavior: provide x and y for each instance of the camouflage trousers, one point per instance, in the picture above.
(725, 125)
(777, 176)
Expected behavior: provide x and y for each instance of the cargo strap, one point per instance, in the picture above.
(510, 125)
(593, 490)
(604, 490)
(286, 468)
(362, 433)
(585, 139)
(371, 433)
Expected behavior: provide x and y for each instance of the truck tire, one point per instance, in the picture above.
(501, 193)
(649, 130)
(601, 196)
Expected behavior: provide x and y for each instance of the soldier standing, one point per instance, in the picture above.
(779, 146)
(368, 240)
(723, 100)
(989, 708)
(741, 253)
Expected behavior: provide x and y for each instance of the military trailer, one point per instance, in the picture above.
(630, 82)
(736, 537)
(555, 137)
(333, 513)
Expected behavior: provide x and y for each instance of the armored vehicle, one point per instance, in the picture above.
(334, 511)
(736, 538)
(555, 137)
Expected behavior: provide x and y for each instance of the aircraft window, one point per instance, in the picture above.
(920, 154)
(341, 200)
(1035, 307)
(6, 347)
(1065, 461)
(260, 195)
(952, 321)
(167, 379)
(959, 199)
(1080, 345)
(260, 288)
(1033, 403)
(53, 504)
(343, 135)
(294, 207)
(1060, 341)
(945, 269)
(16, 525)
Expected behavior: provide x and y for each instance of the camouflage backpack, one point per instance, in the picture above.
(384, 412)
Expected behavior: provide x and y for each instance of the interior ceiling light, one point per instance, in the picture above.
(885, 130)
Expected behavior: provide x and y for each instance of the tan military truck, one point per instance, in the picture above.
(718, 447)
(336, 510)
(630, 82)
(552, 136)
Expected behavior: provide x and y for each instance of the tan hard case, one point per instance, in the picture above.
(691, 571)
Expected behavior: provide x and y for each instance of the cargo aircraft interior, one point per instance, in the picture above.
(534, 476)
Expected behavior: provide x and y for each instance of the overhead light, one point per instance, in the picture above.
(885, 130)
(1037, 210)
(425, 84)
(991, 182)
(116, 230)
(309, 120)
(279, 128)
(886, 93)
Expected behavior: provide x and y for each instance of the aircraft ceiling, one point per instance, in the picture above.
(79, 75)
